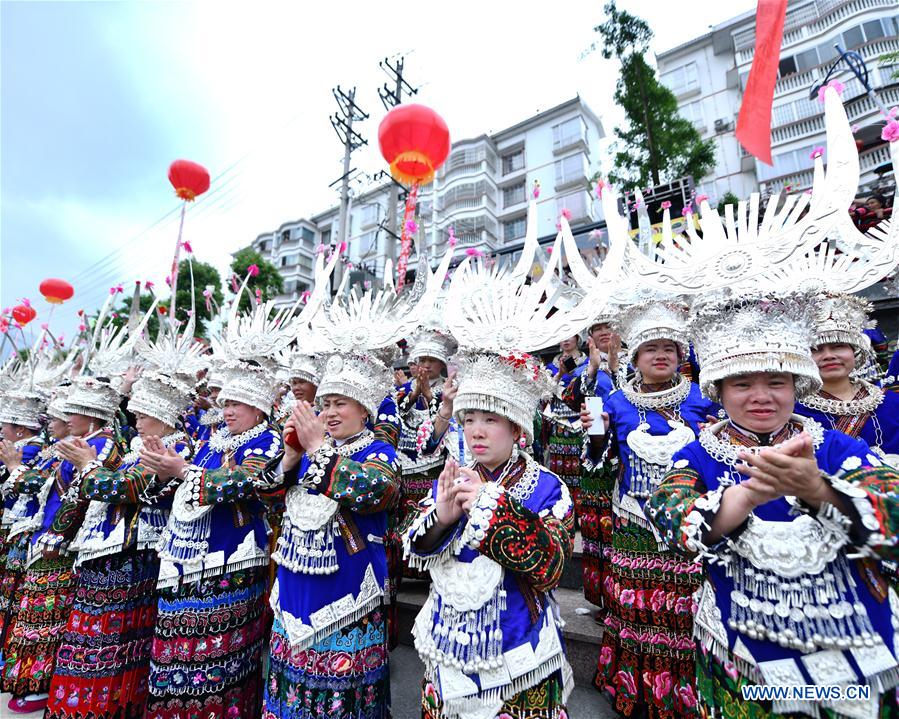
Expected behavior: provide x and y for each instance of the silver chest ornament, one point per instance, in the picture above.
(652, 455)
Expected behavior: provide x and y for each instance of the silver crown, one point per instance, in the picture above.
(93, 397)
(24, 408)
(842, 319)
(761, 332)
(57, 405)
(362, 377)
(306, 367)
(498, 316)
(432, 343)
(358, 328)
(247, 354)
(653, 320)
(161, 396)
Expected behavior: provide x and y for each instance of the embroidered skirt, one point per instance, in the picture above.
(720, 696)
(15, 555)
(415, 488)
(43, 601)
(103, 660)
(207, 648)
(563, 455)
(647, 656)
(594, 513)
(344, 676)
(542, 701)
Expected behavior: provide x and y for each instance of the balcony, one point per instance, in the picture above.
(466, 170)
(856, 109)
(868, 160)
(570, 142)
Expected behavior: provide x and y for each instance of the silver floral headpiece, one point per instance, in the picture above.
(842, 319)
(761, 332)
(24, 408)
(653, 320)
(498, 316)
(306, 367)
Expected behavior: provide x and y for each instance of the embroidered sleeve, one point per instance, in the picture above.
(71, 511)
(365, 487)
(536, 546)
(574, 393)
(683, 509)
(450, 542)
(869, 493)
(28, 480)
(254, 475)
(116, 486)
(387, 427)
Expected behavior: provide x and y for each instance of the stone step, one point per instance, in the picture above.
(582, 634)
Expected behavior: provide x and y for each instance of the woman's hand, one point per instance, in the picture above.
(465, 489)
(9, 455)
(129, 377)
(77, 451)
(595, 358)
(310, 428)
(447, 511)
(614, 351)
(450, 389)
(791, 469)
(163, 461)
(423, 384)
(587, 419)
(291, 456)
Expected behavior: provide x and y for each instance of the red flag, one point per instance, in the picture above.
(754, 123)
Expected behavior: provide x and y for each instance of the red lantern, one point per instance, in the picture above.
(189, 179)
(23, 314)
(56, 291)
(415, 142)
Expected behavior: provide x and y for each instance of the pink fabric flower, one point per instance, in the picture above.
(320, 249)
(148, 284)
(45, 326)
(702, 198)
(627, 597)
(605, 655)
(535, 193)
(305, 296)
(600, 186)
(341, 248)
(817, 152)
(258, 296)
(168, 280)
(253, 270)
(411, 227)
(82, 327)
(207, 292)
(626, 682)
(890, 131)
(687, 696)
(4, 325)
(474, 252)
(666, 205)
(566, 213)
(657, 600)
(452, 240)
(730, 669)
(687, 211)
(662, 685)
(117, 290)
(187, 247)
(835, 84)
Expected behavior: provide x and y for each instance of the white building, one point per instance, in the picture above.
(481, 191)
(708, 73)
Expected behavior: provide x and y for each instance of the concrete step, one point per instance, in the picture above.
(583, 635)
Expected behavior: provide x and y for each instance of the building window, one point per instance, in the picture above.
(367, 243)
(326, 237)
(570, 169)
(513, 229)
(786, 163)
(682, 79)
(263, 246)
(692, 111)
(853, 37)
(308, 235)
(513, 162)
(807, 60)
(513, 195)
(370, 215)
(568, 132)
(575, 203)
(290, 260)
(787, 66)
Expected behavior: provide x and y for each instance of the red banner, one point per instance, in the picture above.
(754, 122)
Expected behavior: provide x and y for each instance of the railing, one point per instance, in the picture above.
(816, 21)
(868, 160)
(464, 170)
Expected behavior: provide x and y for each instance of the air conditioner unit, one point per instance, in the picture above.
(722, 124)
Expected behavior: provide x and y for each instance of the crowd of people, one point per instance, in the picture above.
(190, 533)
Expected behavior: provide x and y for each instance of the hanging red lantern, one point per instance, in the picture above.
(415, 142)
(189, 179)
(56, 291)
(23, 314)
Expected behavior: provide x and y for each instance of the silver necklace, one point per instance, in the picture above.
(728, 453)
(348, 449)
(671, 397)
(853, 407)
(222, 441)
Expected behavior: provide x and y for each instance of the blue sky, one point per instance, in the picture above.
(97, 98)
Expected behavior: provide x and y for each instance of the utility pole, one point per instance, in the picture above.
(391, 98)
(342, 122)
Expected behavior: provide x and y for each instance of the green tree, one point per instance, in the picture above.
(657, 144)
(268, 280)
(728, 198)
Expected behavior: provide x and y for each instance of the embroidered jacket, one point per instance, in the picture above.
(217, 523)
(128, 507)
(878, 429)
(63, 510)
(332, 566)
(417, 456)
(793, 595)
(643, 464)
(489, 628)
(16, 505)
